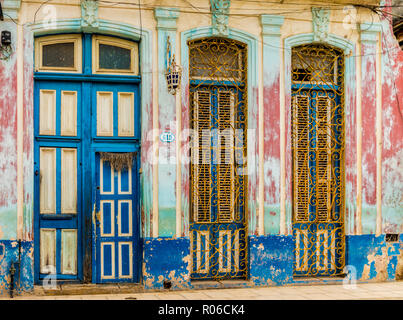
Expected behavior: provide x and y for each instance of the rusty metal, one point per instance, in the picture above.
(318, 159)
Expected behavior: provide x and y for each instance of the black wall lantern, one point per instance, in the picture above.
(5, 45)
(173, 72)
(5, 38)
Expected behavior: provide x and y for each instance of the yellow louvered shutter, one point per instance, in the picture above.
(323, 159)
(201, 157)
(301, 152)
(225, 176)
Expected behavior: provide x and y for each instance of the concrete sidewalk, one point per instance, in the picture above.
(379, 291)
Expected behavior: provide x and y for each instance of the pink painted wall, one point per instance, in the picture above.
(8, 141)
(368, 165)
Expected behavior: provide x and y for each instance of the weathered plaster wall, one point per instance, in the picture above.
(8, 140)
(392, 132)
(28, 174)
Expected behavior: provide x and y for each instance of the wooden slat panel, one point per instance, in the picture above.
(125, 218)
(69, 181)
(104, 113)
(48, 251)
(226, 167)
(68, 113)
(323, 159)
(107, 260)
(125, 260)
(126, 114)
(301, 140)
(201, 162)
(69, 251)
(47, 112)
(48, 180)
(107, 225)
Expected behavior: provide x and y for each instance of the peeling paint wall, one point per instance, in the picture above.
(10, 253)
(8, 140)
(392, 131)
(373, 258)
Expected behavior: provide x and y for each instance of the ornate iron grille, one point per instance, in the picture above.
(218, 117)
(318, 159)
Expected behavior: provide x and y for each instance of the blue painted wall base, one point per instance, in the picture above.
(372, 258)
(368, 258)
(166, 259)
(24, 277)
(271, 260)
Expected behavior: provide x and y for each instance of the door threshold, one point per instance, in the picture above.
(220, 284)
(318, 280)
(87, 289)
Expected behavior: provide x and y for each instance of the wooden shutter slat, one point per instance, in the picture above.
(201, 164)
(226, 165)
(301, 173)
(323, 162)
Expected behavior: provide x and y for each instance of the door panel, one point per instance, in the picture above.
(116, 111)
(58, 173)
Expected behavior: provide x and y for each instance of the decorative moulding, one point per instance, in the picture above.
(166, 18)
(10, 9)
(271, 24)
(89, 15)
(320, 24)
(219, 16)
(369, 32)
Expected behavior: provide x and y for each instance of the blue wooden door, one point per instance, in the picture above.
(83, 107)
(57, 180)
(115, 132)
(117, 246)
(218, 227)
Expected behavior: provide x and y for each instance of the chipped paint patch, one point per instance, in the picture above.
(271, 259)
(166, 259)
(372, 257)
(25, 273)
